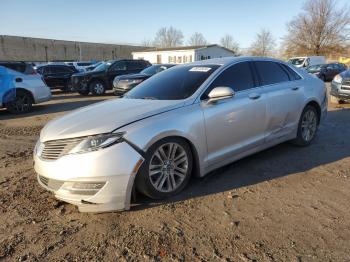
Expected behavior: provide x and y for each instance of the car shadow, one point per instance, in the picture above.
(285, 159)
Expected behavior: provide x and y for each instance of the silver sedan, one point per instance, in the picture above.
(188, 120)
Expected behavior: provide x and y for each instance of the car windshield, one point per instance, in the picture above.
(102, 67)
(314, 68)
(176, 83)
(154, 69)
(297, 61)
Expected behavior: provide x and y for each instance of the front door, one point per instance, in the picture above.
(234, 125)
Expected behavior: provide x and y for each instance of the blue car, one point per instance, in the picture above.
(18, 91)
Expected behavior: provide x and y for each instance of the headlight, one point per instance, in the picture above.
(338, 79)
(93, 143)
(129, 82)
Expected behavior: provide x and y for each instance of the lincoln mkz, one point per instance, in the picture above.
(187, 120)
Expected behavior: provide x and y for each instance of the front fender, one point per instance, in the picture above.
(186, 122)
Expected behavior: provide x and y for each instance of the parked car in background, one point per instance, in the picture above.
(19, 91)
(22, 67)
(188, 120)
(125, 83)
(93, 66)
(306, 61)
(326, 72)
(57, 76)
(81, 65)
(340, 87)
(101, 78)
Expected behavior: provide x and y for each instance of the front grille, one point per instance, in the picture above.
(56, 148)
(52, 184)
(346, 84)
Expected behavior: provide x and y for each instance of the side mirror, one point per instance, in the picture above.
(219, 93)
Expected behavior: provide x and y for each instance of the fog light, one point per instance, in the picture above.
(88, 185)
(83, 188)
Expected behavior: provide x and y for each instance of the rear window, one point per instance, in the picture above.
(173, 84)
(19, 67)
(270, 73)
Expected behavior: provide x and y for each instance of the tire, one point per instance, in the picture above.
(97, 87)
(22, 103)
(84, 92)
(307, 127)
(168, 178)
(323, 78)
(340, 101)
(69, 88)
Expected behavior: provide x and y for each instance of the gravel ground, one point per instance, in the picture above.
(283, 204)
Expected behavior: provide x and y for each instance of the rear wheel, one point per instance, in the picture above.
(97, 87)
(22, 103)
(307, 128)
(166, 170)
(323, 78)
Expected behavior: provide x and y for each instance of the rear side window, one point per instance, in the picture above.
(291, 73)
(64, 69)
(239, 77)
(270, 73)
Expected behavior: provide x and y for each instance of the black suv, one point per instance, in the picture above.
(22, 67)
(101, 78)
(58, 76)
(326, 72)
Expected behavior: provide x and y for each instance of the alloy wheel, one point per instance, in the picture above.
(98, 88)
(308, 125)
(168, 167)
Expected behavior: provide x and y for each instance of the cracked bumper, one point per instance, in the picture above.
(114, 168)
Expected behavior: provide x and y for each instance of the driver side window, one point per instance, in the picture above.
(239, 77)
(119, 66)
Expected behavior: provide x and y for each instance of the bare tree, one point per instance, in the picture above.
(168, 37)
(147, 42)
(263, 45)
(197, 39)
(228, 42)
(322, 28)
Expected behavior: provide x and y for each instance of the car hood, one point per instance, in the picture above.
(345, 74)
(88, 73)
(133, 76)
(105, 117)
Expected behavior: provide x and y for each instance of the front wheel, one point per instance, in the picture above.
(166, 170)
(97, 87)
(307, 128)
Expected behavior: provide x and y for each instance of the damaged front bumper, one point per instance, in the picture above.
(98, 181)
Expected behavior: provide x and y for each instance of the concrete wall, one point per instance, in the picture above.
(15, 48)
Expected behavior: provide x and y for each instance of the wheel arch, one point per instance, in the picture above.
(317, 106)
(196, 171)
(21, 89)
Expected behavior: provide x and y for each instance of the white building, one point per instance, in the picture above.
(182, 54)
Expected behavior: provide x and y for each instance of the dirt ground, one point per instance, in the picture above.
(283, 204)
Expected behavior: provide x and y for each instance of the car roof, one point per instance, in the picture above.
(229, 60)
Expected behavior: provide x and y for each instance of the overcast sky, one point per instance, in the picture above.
(132, 21)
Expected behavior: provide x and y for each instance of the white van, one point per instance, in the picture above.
(305, 61)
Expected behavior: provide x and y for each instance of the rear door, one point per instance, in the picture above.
(284, 91)
(234, 125)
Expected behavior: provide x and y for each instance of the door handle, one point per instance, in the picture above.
(254, 96)
(295, 88)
